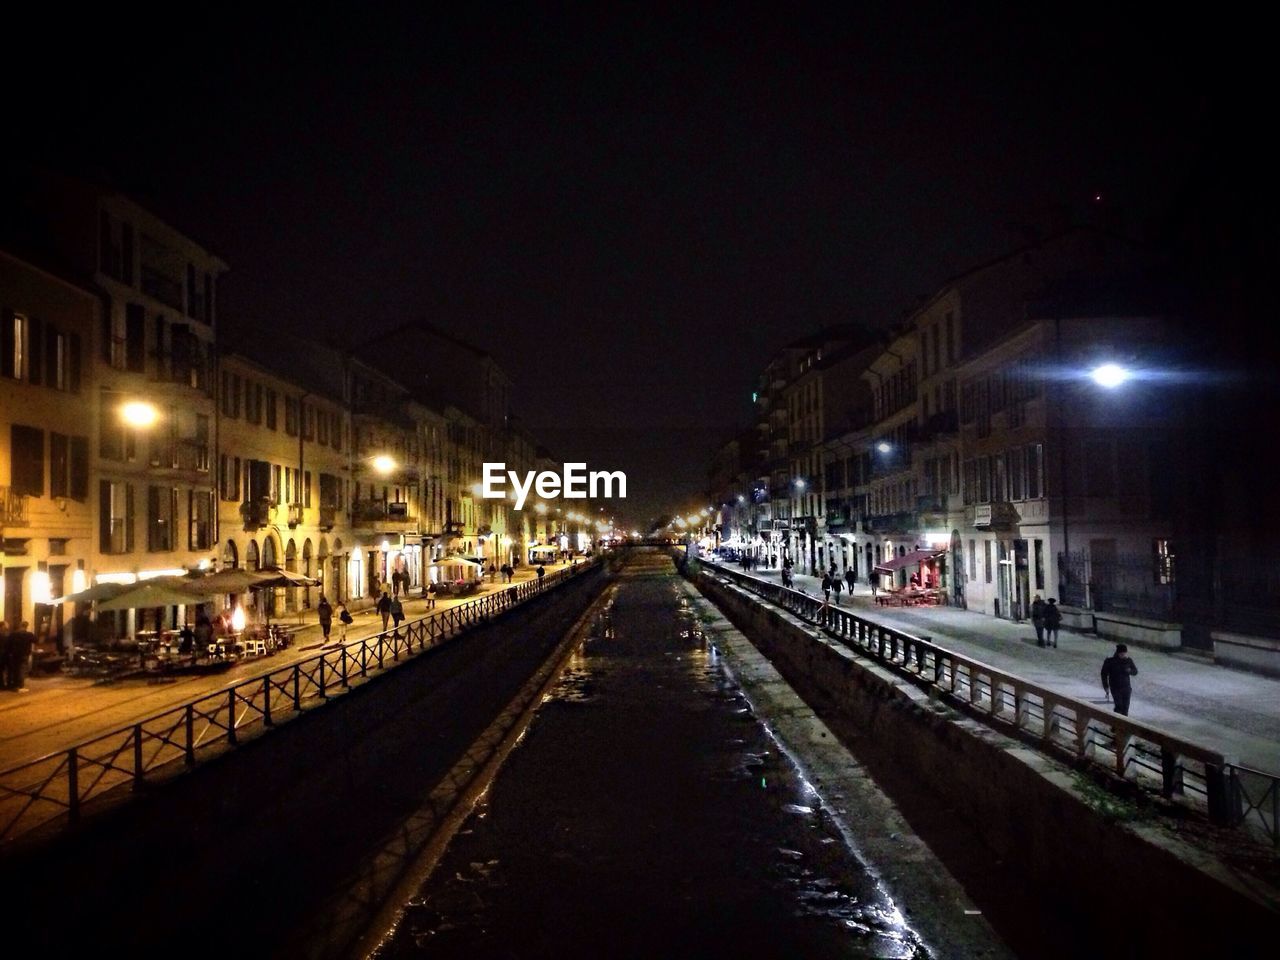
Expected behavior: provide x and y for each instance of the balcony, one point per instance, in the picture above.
(902, 522)
(255, 513)
(328, 517)
(383, 515)
(13, 508)
(295, 514)
(1000, 514)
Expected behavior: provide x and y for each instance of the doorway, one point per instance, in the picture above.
(13, 595)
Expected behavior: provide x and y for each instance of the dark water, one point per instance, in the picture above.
(648, 813)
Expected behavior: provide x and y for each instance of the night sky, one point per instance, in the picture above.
(631, 214)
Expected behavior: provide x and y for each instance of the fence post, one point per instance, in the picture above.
(191, 734)
(231, 716)
(297, 688)
(137, 756)
(323, 692)
(342, 661)
(266, 701)
(73, 784)
(1220, 791)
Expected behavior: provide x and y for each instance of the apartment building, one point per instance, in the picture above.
(48, 540)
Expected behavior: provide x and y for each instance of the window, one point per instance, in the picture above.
(1163, 556)
(291, 416)
(59, 465)
(270, 409)
(1035, 471)
(16, 358)
(200, 512)
(973, 560)
(162, 511)
(115, 524)
(26, 471)
(228, 477)
(230, 394)
(306, 488)
(1099, 473)
(986, 546)
(1039, 555)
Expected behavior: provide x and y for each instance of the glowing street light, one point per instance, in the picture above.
(884, 446)
(1109, 375)
(139, 413)
(383, 464)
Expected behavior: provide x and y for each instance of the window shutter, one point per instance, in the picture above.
(128, 518)
(153, 515)
(80, 468)
(7, 343)
(104, 516)
(35, 344)
(73, 363)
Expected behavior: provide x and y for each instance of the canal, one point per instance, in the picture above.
(649, 812)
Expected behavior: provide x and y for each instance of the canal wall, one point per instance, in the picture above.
(236, 853)
(1041, 822)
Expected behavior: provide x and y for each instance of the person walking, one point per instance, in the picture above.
(542, 572)
(493, 571)
(18, 656)
(384, 608)
(850, 578)
(397, 613)
(4, 654)
(324, 610)
(871, 582)
(1037, 618)
(344, 620)
(1052, 620)
(836, 586)
(1116, 671)
(826, 589)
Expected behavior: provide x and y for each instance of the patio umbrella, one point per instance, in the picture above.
(227, 581)
(283, 578)
(99, 591)
(152, 594)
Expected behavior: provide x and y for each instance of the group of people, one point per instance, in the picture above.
(15, 654)
(832, 582)
(1046, 618)
(325, 612)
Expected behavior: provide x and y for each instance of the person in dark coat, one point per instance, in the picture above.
(325, 612)
(836, 586)
(397, 613)
(850, 579)
(542, 572)
(1037, 618)
(826, 587)
(1052, 620)
(384, 608)
(18, 656)
(1116, 671)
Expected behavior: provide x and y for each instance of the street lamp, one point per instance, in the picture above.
(884, 446)
(1109, 375)
(384, 464)
(139, 413)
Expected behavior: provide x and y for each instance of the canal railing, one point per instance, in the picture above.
(1232, 794)
(54, 790)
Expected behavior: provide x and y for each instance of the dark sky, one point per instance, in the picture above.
(631, 214)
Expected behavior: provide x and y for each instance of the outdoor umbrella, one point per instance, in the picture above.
(141, 596)
(227, 581)
(276, 577)
(99, 591)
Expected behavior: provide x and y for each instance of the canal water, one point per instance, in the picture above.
(649, 813)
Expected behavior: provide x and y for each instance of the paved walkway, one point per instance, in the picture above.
(58, 710)
(1229, 710)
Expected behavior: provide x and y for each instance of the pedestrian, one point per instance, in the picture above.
(1052, 620)
(1116, 671)
(325, 611)
(4, 654)
(18, 656)
(542, 572)
(871, 582)
(836, 586)
(397, 613)
(345, 620)
(1037, 618)
(826, 588)
(384, 608)
(493, 571)
(186, 638)
(850, 579)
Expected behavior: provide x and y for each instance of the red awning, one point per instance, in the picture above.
(908, 559)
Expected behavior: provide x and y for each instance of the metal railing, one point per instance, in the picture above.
(1232, 795)
(54, 790)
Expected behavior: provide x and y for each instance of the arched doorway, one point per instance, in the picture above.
(291, 565)
(307, 572)
(230, 556)
(251, 560)
(270, 561)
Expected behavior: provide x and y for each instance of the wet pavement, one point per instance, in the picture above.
(649, 812)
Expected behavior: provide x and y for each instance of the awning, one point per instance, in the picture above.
(915, 557)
